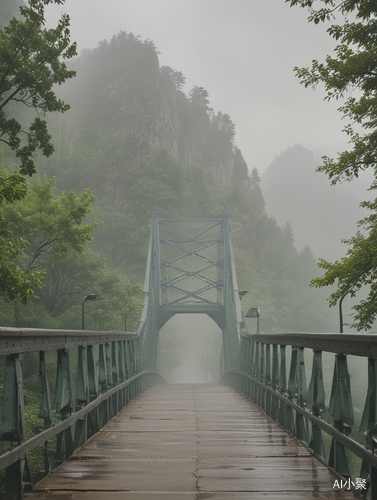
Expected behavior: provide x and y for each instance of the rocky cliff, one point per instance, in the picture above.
(145, 102)
(132, 95)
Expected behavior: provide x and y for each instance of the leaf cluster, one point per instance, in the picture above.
(364, 8)
(31, 63)
(51, 225)
(15, 283)
(358, 269)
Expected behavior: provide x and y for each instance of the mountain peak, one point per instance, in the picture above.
(321, 215)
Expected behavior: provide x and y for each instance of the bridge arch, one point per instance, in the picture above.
(190, 347)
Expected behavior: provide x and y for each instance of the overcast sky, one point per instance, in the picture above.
(242, 51)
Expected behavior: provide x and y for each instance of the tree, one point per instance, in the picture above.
(255, 179)
(240, 175)
(50, 225)
(256, 192)
(176, 77)
(67, 282)
(351, 75)
(14, 282)
(31, 63)
(199, 96)
(224, 125)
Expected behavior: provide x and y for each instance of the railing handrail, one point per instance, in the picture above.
(357, 344)
(19, 452)
(18, 340)
(357, 448)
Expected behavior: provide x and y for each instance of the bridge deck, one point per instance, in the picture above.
(186, 442)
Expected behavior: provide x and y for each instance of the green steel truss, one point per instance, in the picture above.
(190, 269)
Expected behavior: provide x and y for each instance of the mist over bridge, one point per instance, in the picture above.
(190, 269)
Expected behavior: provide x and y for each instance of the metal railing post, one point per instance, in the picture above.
(341, 410)
(64, 405)
(368, 426)
(275, 381)
(292, 392)
(282, 386)
(316, 402)
(301, 423)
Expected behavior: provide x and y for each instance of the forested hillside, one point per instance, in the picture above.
(132, 141)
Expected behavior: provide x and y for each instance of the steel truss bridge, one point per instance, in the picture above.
(190, 269)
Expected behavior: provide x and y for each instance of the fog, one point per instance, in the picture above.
(242, 51)
(190, 349)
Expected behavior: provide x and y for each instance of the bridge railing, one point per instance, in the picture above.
(91, 377)
(271, 370)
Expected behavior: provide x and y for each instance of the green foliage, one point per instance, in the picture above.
(223, 124)
(34, 425)
(30, 65)
(351, 75)
(67, 282)
(94, 151)
(199, 96)
(176, 77)
(160, 181)
(353, 272)
(364, 8)
(54, 238)
(49, 225)
(15, 283)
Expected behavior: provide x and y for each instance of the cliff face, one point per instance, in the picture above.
(145, 103)
(121, 85)
(194, 131)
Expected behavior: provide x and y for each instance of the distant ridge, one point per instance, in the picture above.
(321, 215)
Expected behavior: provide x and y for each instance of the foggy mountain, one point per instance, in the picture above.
(133, 95)
(321, 215)
(137, 142)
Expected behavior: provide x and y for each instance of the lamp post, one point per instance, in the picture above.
(254, 312)
(91, 296)
(340, 310)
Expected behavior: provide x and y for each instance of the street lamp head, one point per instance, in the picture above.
(91, 296)
(253, 312)
(241, 293)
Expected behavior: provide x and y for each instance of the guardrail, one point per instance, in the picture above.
(105, 375)
(262, 376)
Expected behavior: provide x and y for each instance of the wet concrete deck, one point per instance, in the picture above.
(191, 442)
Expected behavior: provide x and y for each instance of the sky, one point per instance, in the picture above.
(243, 52)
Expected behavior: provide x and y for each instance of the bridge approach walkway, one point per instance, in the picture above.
(191, 442)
